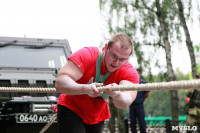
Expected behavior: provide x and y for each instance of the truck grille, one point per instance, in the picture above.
(41, 83)
(23, 83)
(5, 83)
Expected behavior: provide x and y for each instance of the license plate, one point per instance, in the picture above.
(33, 118)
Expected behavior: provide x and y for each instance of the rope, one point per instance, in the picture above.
(54, 117)
(28, 89)
(173, 85)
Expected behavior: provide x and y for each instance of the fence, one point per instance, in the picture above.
(154, 125)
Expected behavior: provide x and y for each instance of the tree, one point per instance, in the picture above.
(171, 75)
(188, 39)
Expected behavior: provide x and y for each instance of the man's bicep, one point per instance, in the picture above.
(72, 70)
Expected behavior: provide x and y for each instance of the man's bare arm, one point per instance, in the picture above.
(66, 82)
(123, 99)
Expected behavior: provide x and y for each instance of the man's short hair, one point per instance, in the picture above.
(125, 41)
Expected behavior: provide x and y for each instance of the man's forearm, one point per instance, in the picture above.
(66, 85)
(124, 99)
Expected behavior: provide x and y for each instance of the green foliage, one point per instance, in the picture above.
(182, 102)
(159, 102)
(160, 77)
(196, 48)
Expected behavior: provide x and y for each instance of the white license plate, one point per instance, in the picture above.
(33, 118)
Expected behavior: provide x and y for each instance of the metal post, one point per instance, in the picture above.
(168, 126)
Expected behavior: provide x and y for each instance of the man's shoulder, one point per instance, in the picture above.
(86, 52)
(128, 72)
(129, 69)
(128, 65)
(91, 48)
(84, 57)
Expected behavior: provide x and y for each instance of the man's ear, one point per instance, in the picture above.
(106, 47)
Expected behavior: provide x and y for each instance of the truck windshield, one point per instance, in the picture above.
(19, 56)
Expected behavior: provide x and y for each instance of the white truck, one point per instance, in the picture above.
(29, 62)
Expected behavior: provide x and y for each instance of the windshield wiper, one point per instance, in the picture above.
(8, 44)
(39, 46)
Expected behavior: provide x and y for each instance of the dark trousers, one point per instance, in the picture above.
(126, 125)
(137, 112)
(69, 122)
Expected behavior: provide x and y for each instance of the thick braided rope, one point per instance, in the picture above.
(28, 89)
(173, 85)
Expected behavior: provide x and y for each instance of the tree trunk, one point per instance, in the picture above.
(171, 75)
(188, 39)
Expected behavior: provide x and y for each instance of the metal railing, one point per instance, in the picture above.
(153, 126)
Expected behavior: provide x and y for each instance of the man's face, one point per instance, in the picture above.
(115, 57)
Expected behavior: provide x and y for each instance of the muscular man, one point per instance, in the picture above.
(81, 107)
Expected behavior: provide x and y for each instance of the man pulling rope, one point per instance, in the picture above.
(82, 108)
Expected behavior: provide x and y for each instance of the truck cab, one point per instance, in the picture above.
(29, 62)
